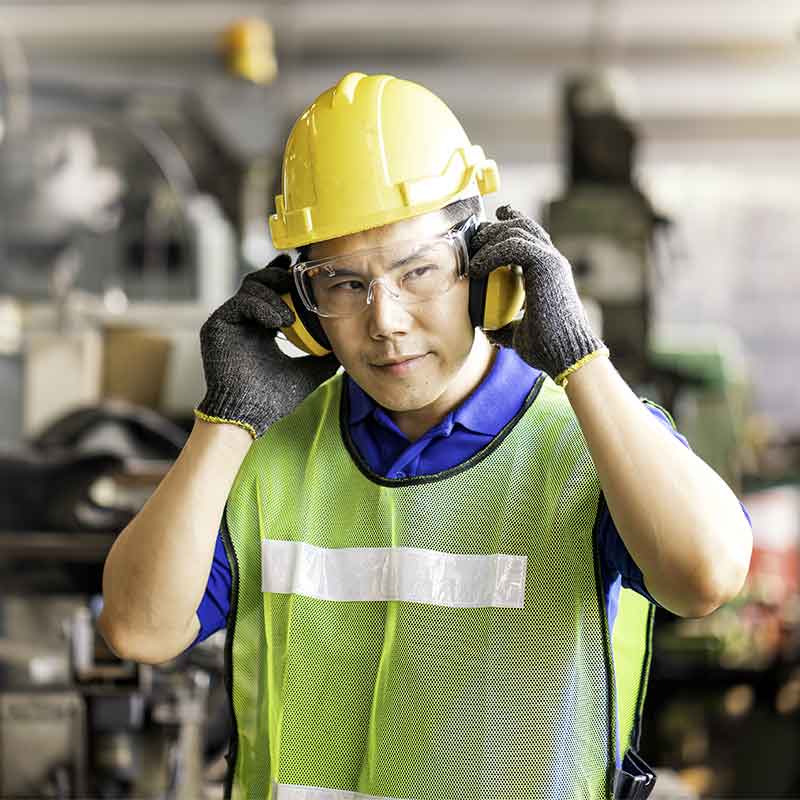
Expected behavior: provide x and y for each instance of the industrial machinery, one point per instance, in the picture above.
(133, 204)
(128, 213)
(75, 720)
(604, 223)
(727, 683)
(621, 248)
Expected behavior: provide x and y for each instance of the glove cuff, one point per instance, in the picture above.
(223, 406)
(220, 421)
(566, 351)
(562, 379)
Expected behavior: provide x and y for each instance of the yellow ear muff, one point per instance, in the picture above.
(505, 296)
(299, 335)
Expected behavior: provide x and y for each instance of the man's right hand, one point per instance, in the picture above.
(250, 382)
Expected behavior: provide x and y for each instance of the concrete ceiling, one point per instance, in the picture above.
(717, 70)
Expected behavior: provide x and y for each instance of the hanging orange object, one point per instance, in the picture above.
(250, 50)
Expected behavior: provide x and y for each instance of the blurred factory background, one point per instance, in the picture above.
(140, 147)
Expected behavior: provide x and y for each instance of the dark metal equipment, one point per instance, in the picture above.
(604, 223)
(75, 720)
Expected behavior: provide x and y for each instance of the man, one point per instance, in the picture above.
(425, 552)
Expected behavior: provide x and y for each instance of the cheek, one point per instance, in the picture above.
(343, 339)
(451, 317)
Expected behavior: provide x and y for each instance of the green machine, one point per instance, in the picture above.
(613, 236)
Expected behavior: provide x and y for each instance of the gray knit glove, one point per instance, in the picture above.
(250, 382)
(554, 334)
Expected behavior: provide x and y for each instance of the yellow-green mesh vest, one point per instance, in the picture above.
(396, 698)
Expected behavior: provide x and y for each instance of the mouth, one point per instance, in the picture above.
(399, 366)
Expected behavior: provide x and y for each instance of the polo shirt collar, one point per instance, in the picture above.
(499, 396)
(487, 410)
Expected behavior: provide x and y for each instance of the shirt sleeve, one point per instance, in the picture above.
(216, 603)
(614, 554)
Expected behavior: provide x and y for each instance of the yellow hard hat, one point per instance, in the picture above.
(370, 151)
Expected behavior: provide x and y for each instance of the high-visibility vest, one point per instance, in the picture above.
(441, 637)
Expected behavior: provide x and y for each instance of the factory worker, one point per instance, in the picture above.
(420, 559)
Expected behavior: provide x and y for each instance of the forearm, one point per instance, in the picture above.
(681, 523)
(158, 567)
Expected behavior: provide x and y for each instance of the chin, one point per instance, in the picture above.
(402, 398)
(390, 401)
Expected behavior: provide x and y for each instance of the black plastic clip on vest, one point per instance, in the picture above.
(635, 780)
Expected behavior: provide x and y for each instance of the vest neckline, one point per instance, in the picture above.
(374, 477)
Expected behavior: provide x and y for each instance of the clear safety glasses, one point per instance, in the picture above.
(410, 272)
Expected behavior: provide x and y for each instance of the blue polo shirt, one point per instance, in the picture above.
(460, 435)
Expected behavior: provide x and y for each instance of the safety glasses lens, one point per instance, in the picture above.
(410, 274)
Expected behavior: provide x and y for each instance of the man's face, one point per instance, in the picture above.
(429, 342)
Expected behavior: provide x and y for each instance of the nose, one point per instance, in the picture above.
(387, 317)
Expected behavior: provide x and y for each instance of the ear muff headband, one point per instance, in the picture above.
(306, 330)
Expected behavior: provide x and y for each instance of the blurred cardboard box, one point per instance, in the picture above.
(135, 363)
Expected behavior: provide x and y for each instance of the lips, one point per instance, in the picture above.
(400, 360)
(399, 367)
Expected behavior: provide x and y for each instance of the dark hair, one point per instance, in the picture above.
(454, 213)
(462, 209)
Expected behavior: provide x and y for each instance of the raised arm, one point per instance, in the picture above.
(681, 523)
(156, 573)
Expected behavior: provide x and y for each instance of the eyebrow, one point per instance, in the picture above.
(421, 250)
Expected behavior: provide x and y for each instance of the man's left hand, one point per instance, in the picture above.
(554, 333)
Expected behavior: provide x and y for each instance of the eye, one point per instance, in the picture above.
(346, 286)
(419, 272)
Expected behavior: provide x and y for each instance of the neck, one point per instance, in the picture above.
(416, 423)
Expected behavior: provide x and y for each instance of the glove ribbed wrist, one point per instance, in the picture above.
(562, 353)
(563, 345)
(224, 406)
(563, 378)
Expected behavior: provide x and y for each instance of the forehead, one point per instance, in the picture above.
(417, 228)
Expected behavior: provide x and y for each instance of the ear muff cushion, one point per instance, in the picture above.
(477, 300)
(309, 320)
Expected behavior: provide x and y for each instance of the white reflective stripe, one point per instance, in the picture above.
(393, 573)
(288, 791)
